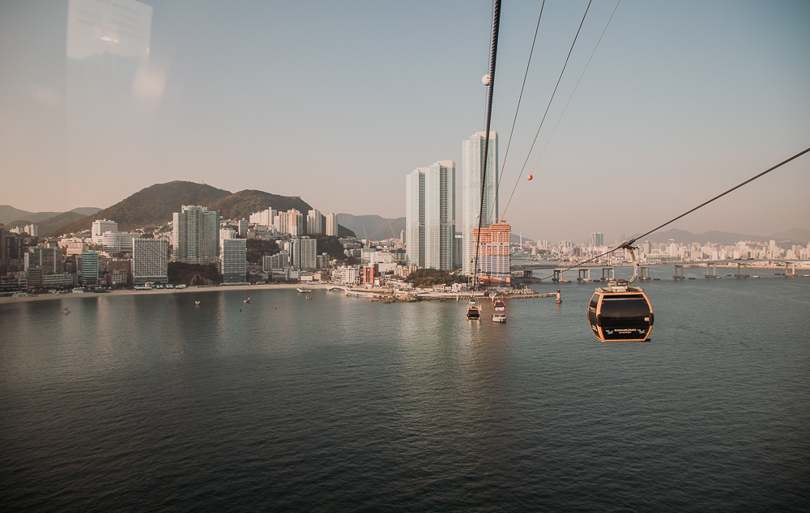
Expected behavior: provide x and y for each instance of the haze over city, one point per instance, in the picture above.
(337, 103)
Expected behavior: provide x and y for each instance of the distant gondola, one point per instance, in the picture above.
(473, 312)
(621, 312)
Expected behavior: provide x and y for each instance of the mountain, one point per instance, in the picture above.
(243, 203)
(9, 214)
(373, 227)
(154, 206)
(50, 224)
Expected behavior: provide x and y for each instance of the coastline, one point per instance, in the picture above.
(131, 292)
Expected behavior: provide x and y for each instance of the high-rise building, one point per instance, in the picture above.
(493, 255)
(263, 217)
(90, 268)
(150, 260)
(332, 225)
(116, 242)
(597, 239)
(242, 225)
(296, 225)
(50, 260)
(472, 177)
(415, 216)
(2, 249)
(430, 215)
(315, 222)
(304, 251)
(100, 226)
(195, 235)
(233, 260)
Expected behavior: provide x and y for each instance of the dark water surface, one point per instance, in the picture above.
(146, 403)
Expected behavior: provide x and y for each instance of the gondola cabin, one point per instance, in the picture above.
(473, 311)
(620, 313)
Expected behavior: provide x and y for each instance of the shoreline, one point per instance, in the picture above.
(132, 292)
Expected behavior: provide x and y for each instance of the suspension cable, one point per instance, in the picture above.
(520, 97)
(550, 100)
(632, 241)
(577, 85)
(493, 54)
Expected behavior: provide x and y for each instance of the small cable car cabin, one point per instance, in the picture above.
(620, 312)
(473, 311)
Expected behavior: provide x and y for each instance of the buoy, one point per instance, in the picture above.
(276, 308)
(486, 80)
(529, 177)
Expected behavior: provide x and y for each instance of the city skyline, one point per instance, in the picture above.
(679, 103)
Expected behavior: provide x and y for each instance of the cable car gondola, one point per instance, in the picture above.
(473, 311)
(621, 312)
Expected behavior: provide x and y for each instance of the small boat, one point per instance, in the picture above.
(196, 303)
(499, 317)
(500, 306)
(473, 312)
(66, 311)
(303, 290)
(246, 300)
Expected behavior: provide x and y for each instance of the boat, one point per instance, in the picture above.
(196, 303)
(499, 317)
(500, 306)
(246, 300)
(303, 291)
(473, 311)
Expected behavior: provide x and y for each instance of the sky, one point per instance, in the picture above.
(336, 102)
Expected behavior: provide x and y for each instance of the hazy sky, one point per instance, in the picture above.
(337, 101)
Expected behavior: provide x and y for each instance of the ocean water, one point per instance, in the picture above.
(148, 403)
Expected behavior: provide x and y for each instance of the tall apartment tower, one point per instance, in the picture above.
(233, 262)
(597, 239)
(150, 260)
(472, 171)
(332, 225)
(430, 215)
(195, 235)
(315, 222)
(304, 253)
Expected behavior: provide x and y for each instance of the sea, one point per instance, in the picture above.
(150, 403)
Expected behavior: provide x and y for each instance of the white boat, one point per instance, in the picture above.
(303, 290)
(499, 306)
(499, 317)
(246, 300)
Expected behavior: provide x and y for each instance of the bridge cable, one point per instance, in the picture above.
(493, 54)
(633, 240)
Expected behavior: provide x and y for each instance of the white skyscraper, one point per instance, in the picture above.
(472, 166)
(99, 227)
(315, 222)
(332, 225)
(430, 220)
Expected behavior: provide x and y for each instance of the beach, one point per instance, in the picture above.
(130, 292)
